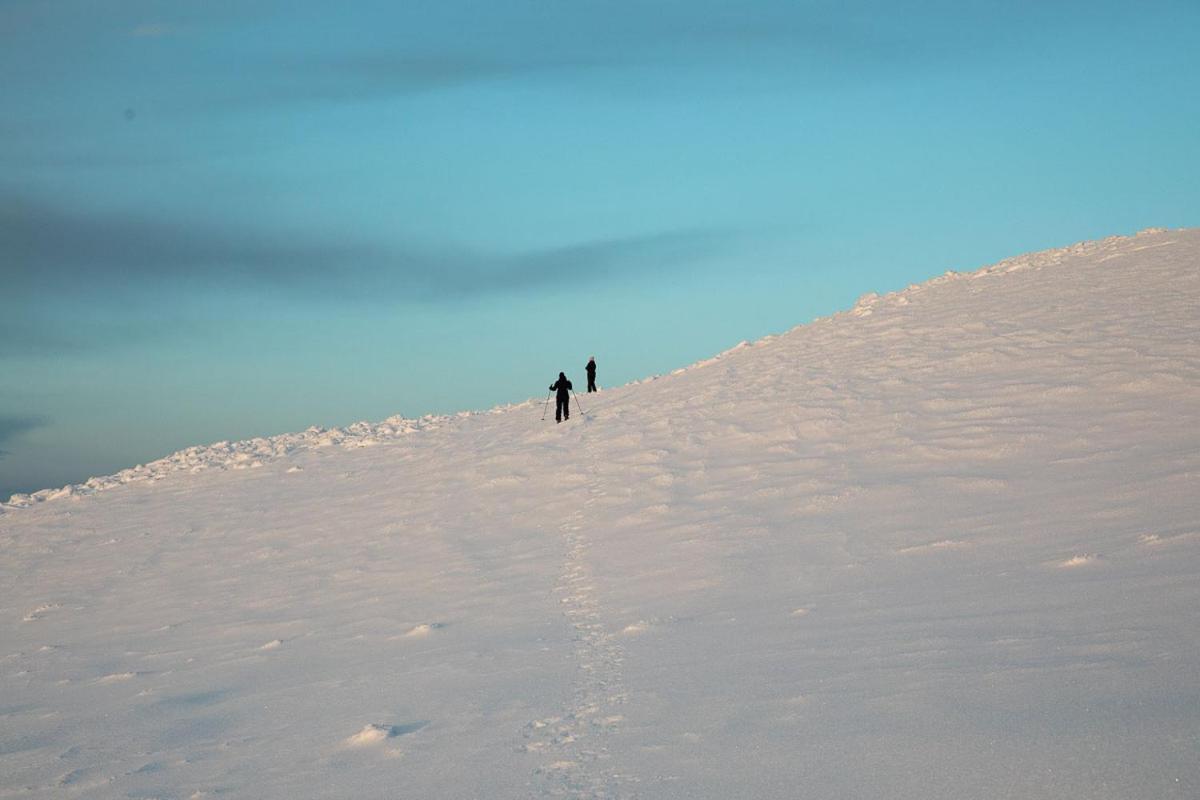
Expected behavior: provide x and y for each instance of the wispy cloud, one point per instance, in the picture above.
(14, 426)
(50, 332)
(52, 248)
(52, 252)
(336, 78)
(592, 261)
(525, 43)
(32, 339)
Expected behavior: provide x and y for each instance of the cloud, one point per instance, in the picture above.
(53, 252)
(435, 51)
(334, 78)
(383, 73)
(77, 283)
(589, 262)
(655, 50)
(59, 333)
(57, 249)
(14, 426)
(32, 339)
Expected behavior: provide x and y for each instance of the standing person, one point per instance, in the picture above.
(591, 371)
(562, 404)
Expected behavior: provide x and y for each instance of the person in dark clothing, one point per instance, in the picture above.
(562, 404)
(591, 372)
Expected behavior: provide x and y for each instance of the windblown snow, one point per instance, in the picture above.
(944, 545)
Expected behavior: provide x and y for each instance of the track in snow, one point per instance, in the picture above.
(578, 761)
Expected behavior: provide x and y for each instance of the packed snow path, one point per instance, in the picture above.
(944, 545)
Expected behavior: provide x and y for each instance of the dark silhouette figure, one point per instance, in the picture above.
(591, 371)
(562, 400)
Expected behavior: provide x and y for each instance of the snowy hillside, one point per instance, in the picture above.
(945, 545)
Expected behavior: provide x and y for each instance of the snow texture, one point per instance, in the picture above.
(942, 545)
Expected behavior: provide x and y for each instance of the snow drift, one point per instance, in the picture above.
(942, 545)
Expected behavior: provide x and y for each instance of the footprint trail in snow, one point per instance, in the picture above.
(578, 763)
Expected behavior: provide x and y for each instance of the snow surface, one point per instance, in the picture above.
(943, 545)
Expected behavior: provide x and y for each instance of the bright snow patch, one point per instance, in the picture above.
(117, 677)
(942, 544)
(422, 630)
(371, 734)
(1080, 560)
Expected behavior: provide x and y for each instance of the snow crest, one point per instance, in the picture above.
(247, 454)
(254, 453)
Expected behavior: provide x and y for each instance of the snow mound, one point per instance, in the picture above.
(1082, 560)
(423, 630)
(371, 734)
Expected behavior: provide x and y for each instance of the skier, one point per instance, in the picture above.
(562, 404)
(591, 373)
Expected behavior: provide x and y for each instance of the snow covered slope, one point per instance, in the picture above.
(944, 545)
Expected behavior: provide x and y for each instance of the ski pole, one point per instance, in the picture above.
(581, 411)
(545, 407)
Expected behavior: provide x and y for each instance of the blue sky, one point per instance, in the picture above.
(228, 219)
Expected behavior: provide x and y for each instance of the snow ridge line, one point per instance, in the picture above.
(868, 302)
(246, 454)
(253, 453)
